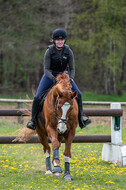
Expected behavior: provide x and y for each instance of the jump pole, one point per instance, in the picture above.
(115, 151)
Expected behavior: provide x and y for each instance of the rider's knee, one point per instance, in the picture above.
(36, 97)
(79, 95)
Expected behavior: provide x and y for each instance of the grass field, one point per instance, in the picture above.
(22, 166)
(87, 96)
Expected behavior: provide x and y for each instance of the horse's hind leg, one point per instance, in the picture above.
(48, 164)
(44, 141)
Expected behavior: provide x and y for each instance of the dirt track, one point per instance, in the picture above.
(95, 120)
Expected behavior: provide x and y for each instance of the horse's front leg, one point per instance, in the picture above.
(44, 141)
(67, 155)
(53, 135)
(48, 164)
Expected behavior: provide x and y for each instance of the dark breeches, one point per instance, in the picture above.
(46, 83)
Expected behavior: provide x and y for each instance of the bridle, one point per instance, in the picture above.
(57, 116)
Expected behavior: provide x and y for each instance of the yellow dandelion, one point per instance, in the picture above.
(26, 166)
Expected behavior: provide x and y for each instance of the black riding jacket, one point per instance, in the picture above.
(58, 60)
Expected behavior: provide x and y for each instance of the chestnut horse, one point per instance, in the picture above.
(60, 114)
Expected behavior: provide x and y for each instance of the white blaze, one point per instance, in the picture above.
(62, 126)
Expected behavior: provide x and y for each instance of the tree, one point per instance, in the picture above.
(99, 35)
(26, 29)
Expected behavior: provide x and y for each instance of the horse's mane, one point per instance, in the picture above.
(63, 83)
(64, 80)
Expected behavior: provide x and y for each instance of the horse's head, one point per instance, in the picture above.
(63, 108)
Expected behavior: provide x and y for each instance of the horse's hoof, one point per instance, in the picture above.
(57, 171)
(48, 172)
(67, 177)
(57, 174)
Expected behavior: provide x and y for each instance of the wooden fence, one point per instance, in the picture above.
(113, 149)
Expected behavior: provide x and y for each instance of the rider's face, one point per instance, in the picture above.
(59, 43)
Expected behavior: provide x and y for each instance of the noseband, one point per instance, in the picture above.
(57, 116)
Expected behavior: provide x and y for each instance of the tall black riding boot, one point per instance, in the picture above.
(35, 108)
(82, 123)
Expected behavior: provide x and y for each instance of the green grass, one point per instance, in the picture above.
(22, 166)
(20, 95)
(89, 96)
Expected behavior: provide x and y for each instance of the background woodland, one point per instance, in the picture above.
(96, 33)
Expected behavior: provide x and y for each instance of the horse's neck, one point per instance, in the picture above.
(55, 90)
(52, 95)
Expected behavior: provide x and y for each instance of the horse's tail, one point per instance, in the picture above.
(24, 135)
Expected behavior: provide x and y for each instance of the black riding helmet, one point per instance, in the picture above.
(59, 34)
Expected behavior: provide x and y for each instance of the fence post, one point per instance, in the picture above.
(115, 151)
(116, 132)
(20, 118)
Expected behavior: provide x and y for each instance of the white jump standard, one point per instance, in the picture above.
(115, 151)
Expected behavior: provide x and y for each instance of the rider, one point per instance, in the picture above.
(58, 57)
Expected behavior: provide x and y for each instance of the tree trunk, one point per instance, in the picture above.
(123, 75)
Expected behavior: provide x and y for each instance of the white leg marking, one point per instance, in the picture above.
(67, 159)
(54, 163)
(48, 172)
(47, 154)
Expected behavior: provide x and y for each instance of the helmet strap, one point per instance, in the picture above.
(59, 48)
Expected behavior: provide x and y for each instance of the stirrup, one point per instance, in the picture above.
(83, 123)
(87, 122)
(31, 125)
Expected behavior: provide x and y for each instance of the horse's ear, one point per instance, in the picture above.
(74, 94)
